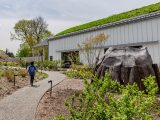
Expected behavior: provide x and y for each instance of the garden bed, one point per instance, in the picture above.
(50, 107)
(7, 84)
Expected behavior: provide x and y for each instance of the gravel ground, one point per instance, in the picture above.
(7, 88)
(49, 107)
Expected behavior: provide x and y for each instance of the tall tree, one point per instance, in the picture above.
(31, 32)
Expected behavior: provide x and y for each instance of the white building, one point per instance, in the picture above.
(143, 30)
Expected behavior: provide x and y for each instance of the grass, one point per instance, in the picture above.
(114, 18)
(41, 75)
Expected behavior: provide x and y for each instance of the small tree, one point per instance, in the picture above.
(74, 57)
(91, 48)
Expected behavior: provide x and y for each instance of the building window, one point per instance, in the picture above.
(70, 57)
(51, 58)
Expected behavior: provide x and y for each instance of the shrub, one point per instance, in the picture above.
(60, 117)
(21, 63)
(1, 73)
(12, 64)
(9, 64)
(23, 73)
(9, 74)
(107, 99)
(81, 67)
(49, 65)
(41, 75)
(80, 71)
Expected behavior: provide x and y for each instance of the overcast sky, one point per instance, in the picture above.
(59, 14)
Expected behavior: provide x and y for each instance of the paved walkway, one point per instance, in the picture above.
(22, 104)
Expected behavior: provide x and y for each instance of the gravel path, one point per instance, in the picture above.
(22, 104)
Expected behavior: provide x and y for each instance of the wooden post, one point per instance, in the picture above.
(14, 80)
(50, 88)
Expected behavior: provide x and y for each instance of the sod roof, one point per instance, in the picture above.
(114, 18)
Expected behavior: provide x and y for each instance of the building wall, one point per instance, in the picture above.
(154, 51)
(146, 33)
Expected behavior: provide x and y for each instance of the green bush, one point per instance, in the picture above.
(107, 99)
(80, 71)
(14, 64)
(23, 72)
(22, 63)
(114, 18)
(41, 75)
(49, 65)
(81, 67)
(60, 117)
(9, 74)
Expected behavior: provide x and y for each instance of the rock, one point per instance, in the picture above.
(127, 65)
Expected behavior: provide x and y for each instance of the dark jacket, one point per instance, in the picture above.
(32, 70)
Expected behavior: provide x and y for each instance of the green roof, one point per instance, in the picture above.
(114, 18)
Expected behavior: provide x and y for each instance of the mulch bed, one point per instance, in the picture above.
(7, 88)
(50, 107)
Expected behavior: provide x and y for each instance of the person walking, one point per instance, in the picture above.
(32, 71)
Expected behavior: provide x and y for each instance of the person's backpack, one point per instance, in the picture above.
(32, 70)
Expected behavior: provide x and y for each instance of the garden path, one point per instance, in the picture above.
(22, 104)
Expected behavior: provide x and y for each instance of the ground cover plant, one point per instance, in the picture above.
(106, 99)
(80, 71)
(114, 18)
(18, 63)
(15, 64)
(44, 65)
(49, 65)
